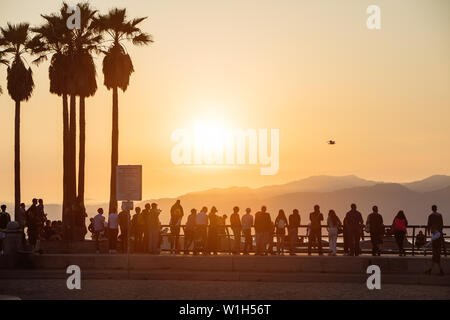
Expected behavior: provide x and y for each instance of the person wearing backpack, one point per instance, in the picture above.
(333, 225)
(399, 228)
(281, 223)
(5, 218)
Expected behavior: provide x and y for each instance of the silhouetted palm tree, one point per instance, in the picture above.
(86, 41)
(3, 61)
(54, 38)
(117, 70)
(15, 39)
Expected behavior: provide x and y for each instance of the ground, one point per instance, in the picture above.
(215, 290)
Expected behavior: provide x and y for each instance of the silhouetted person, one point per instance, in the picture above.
(33, 223)
(436, 244)
(333, 225)
(435, 219)
(236, 226)
(154, 229)
(294, 224)
(21, 217)
(113, 231)
(281, 224)
(189, 231)
(375, 226)
(420, 240)
(263, 231)
(247, 224)
(124, 221)
(315, 234)
(5, 218)
(137, 230)
(353, 223)
(201, 231)
(399, 228)
(144, 219)
(99, 228)
(213, 231)
(176, 215)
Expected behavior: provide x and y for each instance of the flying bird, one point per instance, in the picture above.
(331, 142)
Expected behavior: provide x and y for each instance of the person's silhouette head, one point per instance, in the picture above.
(22, 205)
(248, 210)
(375, 209)
(295, 211)
(3, 207)
(263, 209)
(137, 210)
(353, 206)
(316, 208)
(204, 209)
(100, 211)
(213, 210)
(434, 208)
(154, 206)
(193, 211)
(147, 206)
(178, 202)
(236, 209)
(41, 201)
(34, 201)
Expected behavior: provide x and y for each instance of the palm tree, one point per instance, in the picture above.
(117, 70)
(54, 38)
(86, 41)
(15, 39)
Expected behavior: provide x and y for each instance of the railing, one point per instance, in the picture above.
(302, 240)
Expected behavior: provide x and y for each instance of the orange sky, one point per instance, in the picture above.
(308, 68)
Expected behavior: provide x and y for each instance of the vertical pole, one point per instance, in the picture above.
(413, 240)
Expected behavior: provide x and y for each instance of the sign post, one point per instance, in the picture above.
(129, 189)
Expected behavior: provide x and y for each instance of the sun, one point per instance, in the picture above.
(210, 135)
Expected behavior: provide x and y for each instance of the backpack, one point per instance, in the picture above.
(281, 223)
(400, 224)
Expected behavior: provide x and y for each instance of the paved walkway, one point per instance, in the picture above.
(213, 290)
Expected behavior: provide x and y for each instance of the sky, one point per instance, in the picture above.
(311, 69)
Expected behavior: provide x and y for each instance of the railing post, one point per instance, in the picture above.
(413, 240)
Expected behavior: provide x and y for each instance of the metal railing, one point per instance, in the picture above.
(302, 240)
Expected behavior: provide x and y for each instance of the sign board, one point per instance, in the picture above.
(129, 183)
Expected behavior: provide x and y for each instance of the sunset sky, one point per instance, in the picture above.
(311, 69)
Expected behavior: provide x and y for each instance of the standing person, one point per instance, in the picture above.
(353, 225)
(435, 219)
(213, 230)
(33, 225)
(333, 225)
(189, 231)
(268, 228)
(436, 244)
(201, 231)
(258, 233)
(21, 217)
(281, 223)
(236, 226)
(154, 229)
(263, 230)
(294, 224)
(399, 228)
(143, 223)
(124, 219)
(315, 234)
(176, 215)
(99, 227)
(113, 231)
(5, 218)
(137, 230)
(375, 226)
(345, 236)
(247, 224)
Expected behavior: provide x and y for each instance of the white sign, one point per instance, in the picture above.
(129, 183)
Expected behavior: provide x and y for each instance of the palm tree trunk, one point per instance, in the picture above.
(65, 152)
(72, 162)
(17, 161)
(82, 151)
(114, 151)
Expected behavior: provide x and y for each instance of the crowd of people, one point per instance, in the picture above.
(34, 224)
(203, 231)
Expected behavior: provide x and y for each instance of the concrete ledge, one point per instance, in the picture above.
(226, 263)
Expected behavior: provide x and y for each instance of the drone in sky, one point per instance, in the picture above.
(331, 142)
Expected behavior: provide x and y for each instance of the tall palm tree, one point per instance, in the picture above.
(86, 41)
(54, 39)
(117, 70)
(4, 62)
(15, 39)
